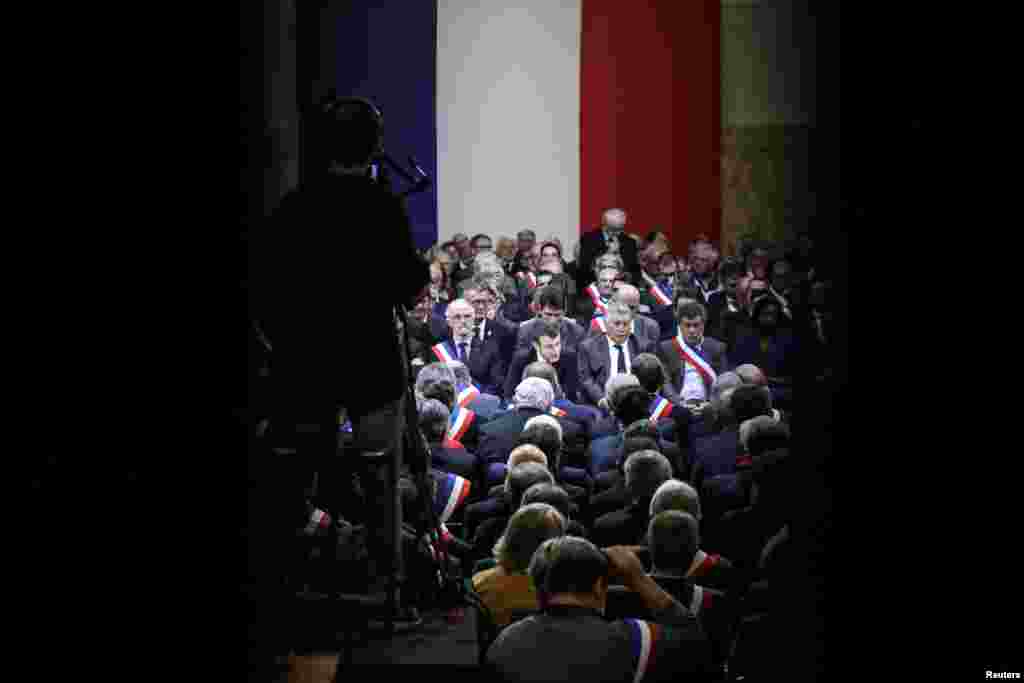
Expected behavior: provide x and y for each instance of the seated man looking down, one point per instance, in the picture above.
(571, 641)
(546, 346)
(645, 472)
(520, 478)
(508, 586)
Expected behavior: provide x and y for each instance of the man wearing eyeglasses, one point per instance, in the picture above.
(483, 357)
(646, 329)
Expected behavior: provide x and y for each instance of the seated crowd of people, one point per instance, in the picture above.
(615, 435)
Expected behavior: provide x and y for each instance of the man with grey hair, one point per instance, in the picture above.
(436, 380)
(609, 238)
(676, 495)
(445, 455)
(561, 406)
(645, 472)
(525, 239)
(645, 328)
(571, 639)
(533, 396)
(604, 356)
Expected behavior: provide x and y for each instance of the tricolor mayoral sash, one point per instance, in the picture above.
(600, 308)
(660, 407)
(467, 394)
(644, 636)
(660, 295)
(688, 355)
(459, 422)
(445, 352)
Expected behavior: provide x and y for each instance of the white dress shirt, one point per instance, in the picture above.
(615, 356)
(693, 382)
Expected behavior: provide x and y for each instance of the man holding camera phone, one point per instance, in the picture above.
(571, 640)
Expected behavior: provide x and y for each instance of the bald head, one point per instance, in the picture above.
(751, 374)
(614, 220)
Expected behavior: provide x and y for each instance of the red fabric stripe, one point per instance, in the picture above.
(707, 565)
(650, 75)
(706, 600)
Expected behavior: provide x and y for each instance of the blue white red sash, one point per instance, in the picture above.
(690, 356)
(317, 521)
(744, 460)
(702, 564)
(529, 277)
(659, 295)
(599, 325)
(644, 636)
(467, 395)
(595, 296)
(452, 491)
(444, 353)
(459, 423)
(700, 600)
(557, 412)
(662, 408)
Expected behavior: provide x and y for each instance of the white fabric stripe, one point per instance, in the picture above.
(697, 560)
(698, 600)
(508, 99)
(695, 357)
(658, 294)
(645, 650)
(453, 498)
(440, 350)
(460, 420)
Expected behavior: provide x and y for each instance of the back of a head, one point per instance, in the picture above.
(543, 370)
(436, 380)
(645, 472)
(569, 564)
(526, 453)
(762, 434)
(674, 538)
(676, 495)
(727, 380)
(632, 404)
(434, 417)
(751, 374)
(552, 494)
(534, 392)
(348, 131)
(545, 437)
(749, 401)
(635, 444)
(550, 295)
(616, 383)
(522, 477)
(649, 371)
(528, 527)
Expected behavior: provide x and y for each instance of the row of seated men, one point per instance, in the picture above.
(689, 547)
(496, 350)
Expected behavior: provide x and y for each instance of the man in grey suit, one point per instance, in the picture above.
(551, 301)
(605, 355)
(692, 361)
(646, 329)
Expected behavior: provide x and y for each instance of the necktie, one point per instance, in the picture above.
(622, 358)
(463, 353)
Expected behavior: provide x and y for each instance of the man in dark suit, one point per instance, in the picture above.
(488, 319)
(601, 357)
(645, 472)
(483, 358)
(547, 346)
(703, 268)
(647, 330)
(609, 237)
(692, 360)
(551, 302)
(718, 454)
(533, 396)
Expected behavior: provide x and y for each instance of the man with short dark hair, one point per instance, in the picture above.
(571, 640)
(692, 360)
(551, 303)
(547, 346)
